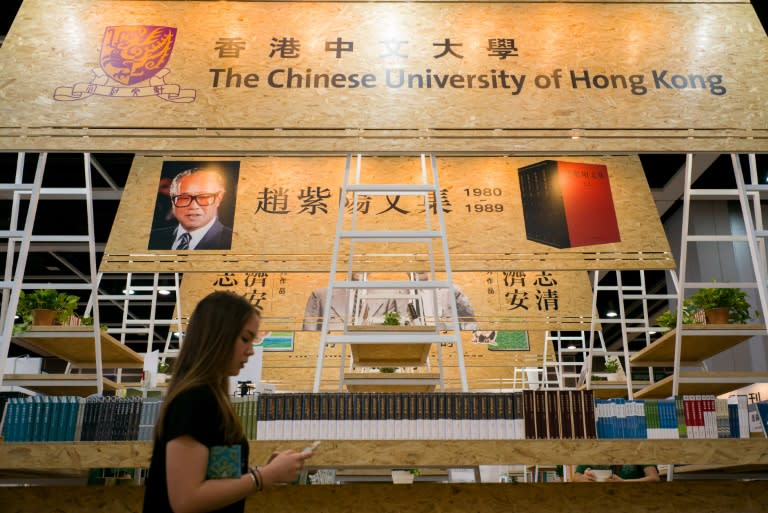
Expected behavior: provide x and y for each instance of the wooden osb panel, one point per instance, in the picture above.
(557, 300)
(674, 497)
(484, 219)
(295, 370)
(339, 453)
(608, 39)
(375, 142)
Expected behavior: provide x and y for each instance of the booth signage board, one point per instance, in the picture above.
(205, 76)
(497, 300)
(501, 214)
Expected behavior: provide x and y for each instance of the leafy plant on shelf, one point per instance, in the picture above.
(61, 303)
(87, 320)
(708, 298)
(391, 319)
(611, 365)
(733, 298)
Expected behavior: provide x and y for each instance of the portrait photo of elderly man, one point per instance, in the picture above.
(196, 211)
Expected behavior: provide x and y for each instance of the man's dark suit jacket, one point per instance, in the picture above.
(218, 237)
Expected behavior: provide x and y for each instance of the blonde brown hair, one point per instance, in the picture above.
(205, 355)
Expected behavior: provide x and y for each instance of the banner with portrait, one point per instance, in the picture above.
(513, 213)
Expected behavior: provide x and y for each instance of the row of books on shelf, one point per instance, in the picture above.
(686, 416)
(529, 414)
(42, 418)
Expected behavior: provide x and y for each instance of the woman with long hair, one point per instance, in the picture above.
(198, 421)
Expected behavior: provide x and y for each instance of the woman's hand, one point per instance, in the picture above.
(283, 467)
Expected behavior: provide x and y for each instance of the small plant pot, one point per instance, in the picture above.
(43, 317)
(612, 376)
(717, 315)
(402, 477)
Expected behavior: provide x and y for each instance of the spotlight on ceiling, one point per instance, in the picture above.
(129, 291)
(164, 292)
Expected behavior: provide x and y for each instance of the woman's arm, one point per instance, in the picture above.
(586, 477)
(188, 489)
(190, 492)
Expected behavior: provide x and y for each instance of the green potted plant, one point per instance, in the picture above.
(668, 319)
(45, 307)
(404, 476)
(612, 367)
(87, 320)
(163, 371)
(391, 319)
(722, 305)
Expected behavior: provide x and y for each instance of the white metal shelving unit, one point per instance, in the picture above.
(754, 238)
(19, 237)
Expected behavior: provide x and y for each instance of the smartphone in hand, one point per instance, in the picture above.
(311, 447)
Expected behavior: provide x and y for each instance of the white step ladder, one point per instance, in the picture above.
(441, 332)
(629, 326)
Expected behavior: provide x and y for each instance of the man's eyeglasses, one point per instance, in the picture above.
(185, 200)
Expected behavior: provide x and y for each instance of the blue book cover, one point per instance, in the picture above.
(762, 410)
(52, 424)
(11, 417)
(223, 462)
(733, 420)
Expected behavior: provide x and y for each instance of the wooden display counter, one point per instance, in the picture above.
(411, 453)
(676, 497)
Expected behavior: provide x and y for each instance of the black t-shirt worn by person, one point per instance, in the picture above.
(195, 413)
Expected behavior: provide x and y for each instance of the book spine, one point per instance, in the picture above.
(588, 399)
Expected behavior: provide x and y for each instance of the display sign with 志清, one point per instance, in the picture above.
(486, 301)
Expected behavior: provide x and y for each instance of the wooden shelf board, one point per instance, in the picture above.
(726, 469)
(699, 342)
(408, 453)
(383, 328)
(390, 355)
(702, 382)
(59, 384)
(611, 389)
(391, 382)
(75, 344)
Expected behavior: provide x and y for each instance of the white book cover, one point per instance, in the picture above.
(80, 409)
(743, 416)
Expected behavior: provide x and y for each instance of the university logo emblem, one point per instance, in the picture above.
(133, 54)
(133, 60)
